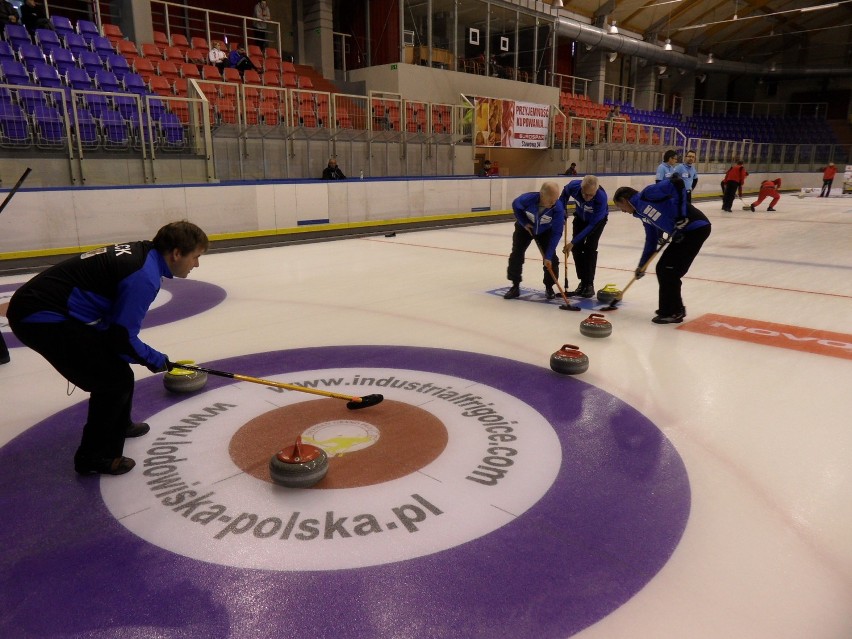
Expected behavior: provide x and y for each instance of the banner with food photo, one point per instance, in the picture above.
(511, 124)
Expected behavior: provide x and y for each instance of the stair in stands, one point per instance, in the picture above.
(320, 83)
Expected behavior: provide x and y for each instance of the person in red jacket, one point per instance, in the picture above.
(828, 174)
(768, 188)
(733, 184)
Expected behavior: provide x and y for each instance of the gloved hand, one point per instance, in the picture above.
(166, 366)
(639, 273)
(681, 223)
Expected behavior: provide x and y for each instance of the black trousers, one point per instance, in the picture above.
(82, 356)
(4, 350)
(674, 264)
(826, 188)
(585, 253)
(731, 188)
(521, 239)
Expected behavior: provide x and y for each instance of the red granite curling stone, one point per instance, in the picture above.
(596, 325)
(568, 360)
(298, 466)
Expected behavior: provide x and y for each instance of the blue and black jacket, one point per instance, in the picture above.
(109, 289)
(663, 209)
(591, 213)
(526, 210)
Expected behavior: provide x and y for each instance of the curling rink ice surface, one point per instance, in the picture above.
(694, 483)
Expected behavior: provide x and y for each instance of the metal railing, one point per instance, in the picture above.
(760, 109)
(230, 28)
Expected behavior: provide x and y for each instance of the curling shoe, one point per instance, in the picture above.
(137, 430)
(549, 292)
(512, 293)
(103, 466)
(674, 318)
(751, 207)
(771, 210)
(582, 290)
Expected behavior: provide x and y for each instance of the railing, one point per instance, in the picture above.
(760, 109)
(618, 93)
(189, 22)
(570, 84)
(149, 127)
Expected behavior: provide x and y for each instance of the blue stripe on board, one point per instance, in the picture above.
(309, 222)
(477, 209)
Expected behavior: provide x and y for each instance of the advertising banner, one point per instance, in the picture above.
(511, 124)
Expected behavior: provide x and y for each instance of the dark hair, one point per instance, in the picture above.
(624, 193)
(671, 153)
(183, 236)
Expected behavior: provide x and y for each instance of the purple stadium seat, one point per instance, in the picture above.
(47, 40)
(101, 45)
(106, 81)
(6, 51)
(86, 129)
(63, 60)
(32, 98)
(90, 61)
(97, 103)
(118, 65)
(88, 29)
(61, 25)
(46, 75)
(12, 72)
(49, 128)
(75, 43)
(17, 34)
(134, 83)
(77, 78)
(114, 130)
(172, 132)
(30, 54)
(14, 127)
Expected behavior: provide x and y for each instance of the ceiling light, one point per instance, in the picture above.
(558, 4)
(710, 58)
(668, 45)
(821, 6)
(613, 29)
(613, 56)
(663, 68)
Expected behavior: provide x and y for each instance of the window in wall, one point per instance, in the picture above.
(443, 16)
(527, 54)
(415, 29)
(470, 34)
(503, 38)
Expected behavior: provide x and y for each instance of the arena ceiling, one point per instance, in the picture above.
(803, 33)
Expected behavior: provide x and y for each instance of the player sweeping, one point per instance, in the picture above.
(540, 217)
(666, 216)
(591, 212)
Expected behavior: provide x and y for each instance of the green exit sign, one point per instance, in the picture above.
(393, 67)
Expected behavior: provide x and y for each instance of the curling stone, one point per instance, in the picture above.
(609, 294)
(569, 361)
(298, 466)
(596, 325)
(179, 380)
